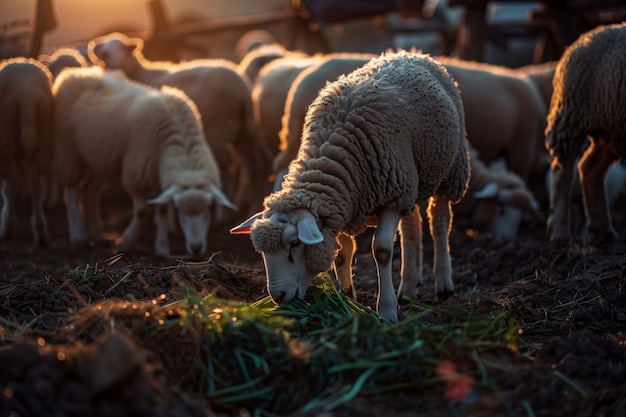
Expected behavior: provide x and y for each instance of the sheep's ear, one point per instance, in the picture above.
(165, 197)
(221, 198)
(244, 228)
(490, 190)
(308, 231)
(135, 44)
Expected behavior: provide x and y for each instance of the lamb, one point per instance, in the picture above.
(589, 100)
(375, 142)
(222, 97)
(26, 109)
(110, 128)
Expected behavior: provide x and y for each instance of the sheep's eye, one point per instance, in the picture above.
(292, 244)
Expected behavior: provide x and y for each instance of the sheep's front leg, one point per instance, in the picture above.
(343, 264)
(593, 166)
(75, 221)
(140, 211)
(163, 215)
(382, 248)
(560, 199)
(440, 216)
(411, 248)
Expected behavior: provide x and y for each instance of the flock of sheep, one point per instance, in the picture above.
(319, 147)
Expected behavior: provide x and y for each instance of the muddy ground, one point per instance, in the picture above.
(568, 301)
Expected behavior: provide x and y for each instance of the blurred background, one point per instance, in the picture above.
(511, 33)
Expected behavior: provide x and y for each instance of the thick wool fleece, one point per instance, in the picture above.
(589, 94)
(388, 134)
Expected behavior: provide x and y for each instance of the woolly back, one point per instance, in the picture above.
(589, 94)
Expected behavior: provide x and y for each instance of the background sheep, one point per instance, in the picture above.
(589, 100)
(223, 99)
(107, 127)
(26, 112)
(374, 143)
(496, 200)
(63, 58)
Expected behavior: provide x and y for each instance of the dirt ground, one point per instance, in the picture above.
(569, 302)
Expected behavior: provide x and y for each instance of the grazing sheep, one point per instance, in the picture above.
(109, 128)
(496, 200)
(26, 114)
(589, 100)
(222, 97)
(374, 143)
(63, 58)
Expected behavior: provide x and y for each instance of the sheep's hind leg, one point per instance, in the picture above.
(91, 192)
(559, 228)
(7, 211)
(38, 220)
(411, 246)
(440, 216)
(129, 237)
(592, 168)
(75, 221)
(382, 248)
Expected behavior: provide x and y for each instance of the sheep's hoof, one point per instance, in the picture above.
(445, 294)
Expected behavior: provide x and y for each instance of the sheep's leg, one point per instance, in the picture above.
(75, 221)
(593, 166)
(343, 264)
(7, 211)
(382, 248)
(411, 246)
(163, 216)
(440, 216)
(140, 211)
(560, 199)
(38, 221)
(91, 191)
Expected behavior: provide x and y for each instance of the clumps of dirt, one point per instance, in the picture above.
(107, 379)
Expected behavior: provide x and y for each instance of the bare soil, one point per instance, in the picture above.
(569, 302)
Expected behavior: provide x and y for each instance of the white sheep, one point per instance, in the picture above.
(108, 128)
(26, 114)
(222, 97)
(374, 143)
(589, 100)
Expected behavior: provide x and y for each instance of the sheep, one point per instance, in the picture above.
(496, 200)
(589, 100)
(223, 99)
(374, 142)
(492, 96)
(26, 109)
(254, 61)
(110, 128)
(63, 58)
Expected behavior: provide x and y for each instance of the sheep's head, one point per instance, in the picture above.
(112, 51)
(194, 207)
(294, 250)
